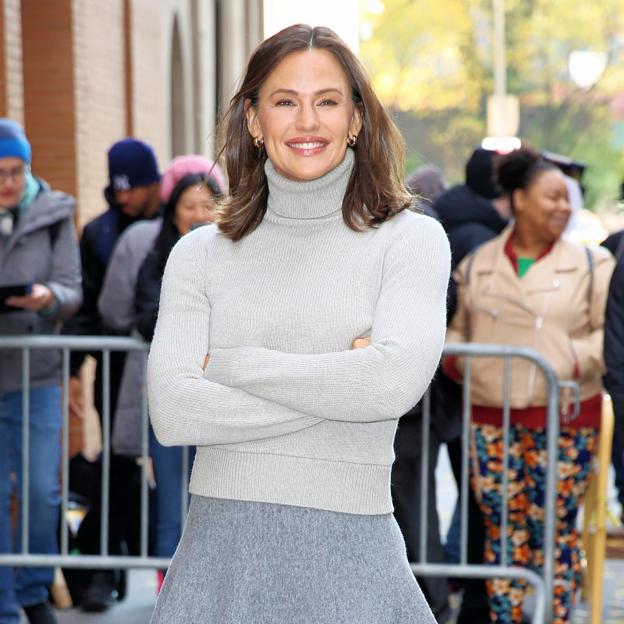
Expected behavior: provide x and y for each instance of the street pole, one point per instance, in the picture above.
(500, 63)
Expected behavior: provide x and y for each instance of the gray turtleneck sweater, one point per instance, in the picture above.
(286, 412)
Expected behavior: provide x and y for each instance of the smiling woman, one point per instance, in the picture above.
(305, 97)
(290, 338)
(304, 114)
(530, 287)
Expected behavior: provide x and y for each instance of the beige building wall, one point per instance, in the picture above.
(99, 94)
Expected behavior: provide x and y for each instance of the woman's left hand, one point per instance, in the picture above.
(361, 343)
(41, 297)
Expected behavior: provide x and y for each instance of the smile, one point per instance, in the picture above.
(307, 145)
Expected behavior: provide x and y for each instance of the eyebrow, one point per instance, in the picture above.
(319, 92)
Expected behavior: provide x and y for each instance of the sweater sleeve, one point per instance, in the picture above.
(185, 407)
(379, 382)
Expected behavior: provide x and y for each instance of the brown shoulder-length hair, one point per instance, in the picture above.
(375, 190)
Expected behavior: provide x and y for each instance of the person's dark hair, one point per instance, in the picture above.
(519, 169)
(480, 173)
(375, 191)
(169, 233)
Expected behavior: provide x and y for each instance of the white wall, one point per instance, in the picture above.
(341, 16)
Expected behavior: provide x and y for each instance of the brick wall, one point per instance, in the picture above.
(11, 100)
(149, 72)
(49, 112)
(100, 98)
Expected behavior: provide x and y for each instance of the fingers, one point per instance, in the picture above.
(76, 401)
(361, 343)
(40, 298)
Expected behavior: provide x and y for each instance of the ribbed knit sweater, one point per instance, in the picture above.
(286, 411)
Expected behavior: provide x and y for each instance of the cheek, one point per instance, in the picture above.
(273, 122)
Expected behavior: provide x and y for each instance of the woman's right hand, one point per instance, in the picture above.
(361, 343)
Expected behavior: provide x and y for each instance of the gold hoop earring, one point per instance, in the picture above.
(352, 140)
(258, 142)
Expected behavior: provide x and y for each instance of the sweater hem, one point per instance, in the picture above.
(362, 489)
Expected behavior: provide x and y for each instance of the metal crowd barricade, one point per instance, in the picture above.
(543, 585)
(103, 560)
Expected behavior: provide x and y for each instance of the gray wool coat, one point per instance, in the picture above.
(42, 249)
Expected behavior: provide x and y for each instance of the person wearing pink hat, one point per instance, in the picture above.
(188, 164)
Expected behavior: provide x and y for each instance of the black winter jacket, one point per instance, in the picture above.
(614, 343)
(148, 295)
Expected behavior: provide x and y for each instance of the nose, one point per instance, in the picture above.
(307, 119)
(564, 205)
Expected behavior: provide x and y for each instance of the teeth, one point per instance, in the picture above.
(306, 145)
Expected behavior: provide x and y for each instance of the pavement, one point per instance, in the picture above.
(141, 597)
(136, 608)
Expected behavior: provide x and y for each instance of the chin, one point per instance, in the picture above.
(10, 202)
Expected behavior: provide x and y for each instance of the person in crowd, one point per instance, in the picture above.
(471, 214)
(290, 338)
(531, 287)
(132, 194)
(116, 301)
(614, 361)
(40, 288)
(190, 188)
(426, 184)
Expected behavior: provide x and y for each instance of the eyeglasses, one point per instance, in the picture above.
(15, 174)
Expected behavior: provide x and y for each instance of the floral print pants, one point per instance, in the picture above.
(527, 481)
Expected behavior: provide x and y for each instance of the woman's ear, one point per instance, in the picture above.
(356, 122)
(518, 199)
(251, 114)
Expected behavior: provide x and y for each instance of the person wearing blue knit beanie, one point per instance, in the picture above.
(39, 289)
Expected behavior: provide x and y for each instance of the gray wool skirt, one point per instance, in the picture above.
(242, 562)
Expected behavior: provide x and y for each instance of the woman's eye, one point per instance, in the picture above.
(284, 103)
(328, 102)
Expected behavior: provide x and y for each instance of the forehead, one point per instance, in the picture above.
(307, 71)
(196, 192)
(551, 179)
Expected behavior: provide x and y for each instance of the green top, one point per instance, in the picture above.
(524, 264)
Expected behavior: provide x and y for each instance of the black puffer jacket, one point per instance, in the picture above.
(614, 344)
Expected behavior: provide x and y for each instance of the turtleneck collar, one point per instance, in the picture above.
(312, 199)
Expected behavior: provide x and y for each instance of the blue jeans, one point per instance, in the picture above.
(22, 586)
(167, 508)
